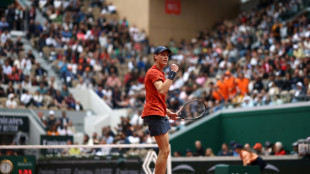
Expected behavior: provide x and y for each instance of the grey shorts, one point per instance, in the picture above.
(158, 125)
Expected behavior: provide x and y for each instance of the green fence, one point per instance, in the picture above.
(286, 124)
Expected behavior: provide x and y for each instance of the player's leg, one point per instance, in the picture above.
(164, 151)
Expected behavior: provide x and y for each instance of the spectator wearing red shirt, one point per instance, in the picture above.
(278, 148)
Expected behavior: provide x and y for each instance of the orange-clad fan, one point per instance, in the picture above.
(223, 88)
(230, 81)
(217, 94)
(242, 84)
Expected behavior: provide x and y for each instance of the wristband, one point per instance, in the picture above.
(171, 75)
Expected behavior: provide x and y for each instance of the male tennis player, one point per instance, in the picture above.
(155, 111)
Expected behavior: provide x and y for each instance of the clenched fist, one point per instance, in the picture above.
(174, 68)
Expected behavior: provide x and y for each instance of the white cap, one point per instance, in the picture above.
(51, 112)
(11, 95)
(299, 84)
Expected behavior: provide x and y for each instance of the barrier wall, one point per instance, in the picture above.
(286, 123)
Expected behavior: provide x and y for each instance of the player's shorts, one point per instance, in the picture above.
(158, 125)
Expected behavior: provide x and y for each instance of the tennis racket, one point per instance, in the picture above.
(192, 110)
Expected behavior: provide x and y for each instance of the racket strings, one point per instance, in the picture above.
(193, 109)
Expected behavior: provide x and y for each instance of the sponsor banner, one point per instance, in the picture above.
(13, 124)
(54, 140)
(134, 166)
(173, 7)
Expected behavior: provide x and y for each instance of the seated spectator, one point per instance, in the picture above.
(177, 154)
(51, 120)
(64, 131)
(64, 91)
(42, 118)
(247, 102)
(2, 92)
(64, 120)
(300, 93)
(225, 151)
(38, 99)
(242, 84)
(209, 152)
(199, 149)
(278, 148)
(71, 127)
(99, 91)
(53, 131)
(10, 89)
(78, 106)
(26, 99)
(11, 103)
(188, 153)
(20, 90)
(70, 101)
(42, 89)
(59, 100)
(258, 147)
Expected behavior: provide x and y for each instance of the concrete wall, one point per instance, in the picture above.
(195, 16)
(136, 12)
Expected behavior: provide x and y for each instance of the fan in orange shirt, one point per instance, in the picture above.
(230, 81)
(242, 84)
(223, 88)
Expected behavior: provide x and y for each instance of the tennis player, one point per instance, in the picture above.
(155, 111)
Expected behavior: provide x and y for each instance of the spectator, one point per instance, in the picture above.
(59, 100)
(78, 106)
(177, 154)
(2, 92)
(247, 102)
(199, 149)
(42, 118)
(223, 87)
(258, 147)
(278, 148)
(268, 148)
(11, 103)
(71, 127)
(64, 120)
(188, 153)
(42, 89)
(38, 99)
(242, 84)
(300, 93)
(53, 131)
(64, 131)
(225, 151)
(209, 152)
(26, 99)
(51, 120)
(230, 81)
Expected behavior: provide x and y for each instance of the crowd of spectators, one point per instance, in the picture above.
(23, 81)
(57, 126)
(257, 59)
(128, 131)
(268, 149)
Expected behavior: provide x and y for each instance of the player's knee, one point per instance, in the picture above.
(166, 152)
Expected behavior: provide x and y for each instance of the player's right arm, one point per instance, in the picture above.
(163, 87)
